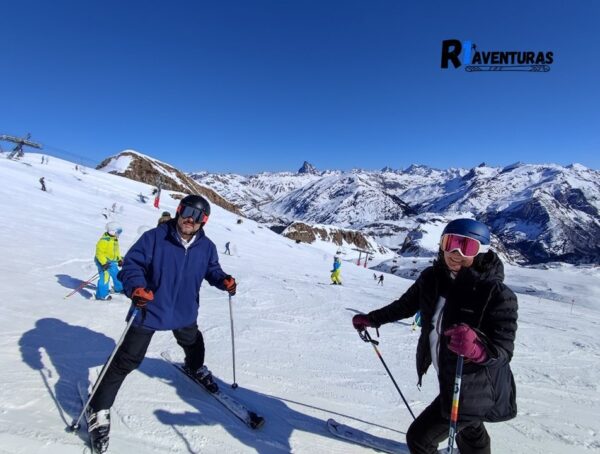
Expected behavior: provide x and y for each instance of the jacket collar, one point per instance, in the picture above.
(173, 235)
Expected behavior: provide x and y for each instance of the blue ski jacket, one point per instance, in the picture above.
(337, 264)
(159, 262)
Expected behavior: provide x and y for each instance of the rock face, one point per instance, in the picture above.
(136, 166)
(305, 233)
(308, 168)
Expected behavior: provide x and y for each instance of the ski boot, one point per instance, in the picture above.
(106, 298)
(204, 377)
(98, 428)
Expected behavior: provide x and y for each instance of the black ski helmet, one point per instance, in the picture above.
(195, 201)
(469, 228)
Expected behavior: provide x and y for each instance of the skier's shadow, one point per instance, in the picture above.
(73, 282)
(72, 351)
(53, 342)
(273, 437)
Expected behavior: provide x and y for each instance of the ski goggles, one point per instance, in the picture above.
(467, 247)
(197, 214)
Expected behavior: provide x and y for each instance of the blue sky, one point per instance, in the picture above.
(247, 86)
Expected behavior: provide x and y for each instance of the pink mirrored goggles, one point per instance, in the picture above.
(467, 247)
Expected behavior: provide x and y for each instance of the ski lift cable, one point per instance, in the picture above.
(81, 158)
(27, 142)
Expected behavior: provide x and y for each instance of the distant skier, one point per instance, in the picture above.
(466, 310)
(162, 274)
(336, 271)
(380, 281)
(164, 217)
(42, 159)
(43, 183)
(374, 276)
(108, 259)
(227, 251)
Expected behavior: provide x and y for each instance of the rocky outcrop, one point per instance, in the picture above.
(147, 170)
(305, 233)
(307, 167)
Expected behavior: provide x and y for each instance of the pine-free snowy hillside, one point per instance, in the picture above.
(299, 361)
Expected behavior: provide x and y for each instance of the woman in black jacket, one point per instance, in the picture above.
(465, 310)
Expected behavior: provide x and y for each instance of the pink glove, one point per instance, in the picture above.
(361, 322)
(464, 342)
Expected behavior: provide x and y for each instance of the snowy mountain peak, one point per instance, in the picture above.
(308, 168)
(418, 169)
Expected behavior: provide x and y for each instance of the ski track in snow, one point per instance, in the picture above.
(298, 359)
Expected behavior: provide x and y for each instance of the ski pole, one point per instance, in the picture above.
(365, 336)
(75, 425)
(454, 410)
(82, 285)
(234, 385)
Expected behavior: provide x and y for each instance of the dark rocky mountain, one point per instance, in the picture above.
(307, 167)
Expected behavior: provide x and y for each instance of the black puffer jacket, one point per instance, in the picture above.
(477, 297)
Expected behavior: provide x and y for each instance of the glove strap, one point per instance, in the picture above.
(365, 336)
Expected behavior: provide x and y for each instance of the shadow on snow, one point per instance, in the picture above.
(73, 282)
(73, 350)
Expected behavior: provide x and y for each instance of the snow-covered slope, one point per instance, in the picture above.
(299, 361)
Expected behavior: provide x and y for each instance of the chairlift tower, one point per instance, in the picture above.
(18, 152)
(360, 253)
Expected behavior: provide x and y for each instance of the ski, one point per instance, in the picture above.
(364, 439)
(239, 410)
(371, 441)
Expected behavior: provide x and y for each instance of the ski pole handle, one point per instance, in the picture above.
(366, 337)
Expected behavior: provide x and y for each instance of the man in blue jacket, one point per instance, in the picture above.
(162, 274)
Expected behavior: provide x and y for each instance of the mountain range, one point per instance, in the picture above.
(537, 213)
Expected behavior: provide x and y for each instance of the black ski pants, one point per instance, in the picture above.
(132, 352)
(431, 428)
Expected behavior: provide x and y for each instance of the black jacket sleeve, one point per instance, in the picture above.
(405, 306)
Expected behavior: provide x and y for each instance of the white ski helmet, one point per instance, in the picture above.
(113, 229)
